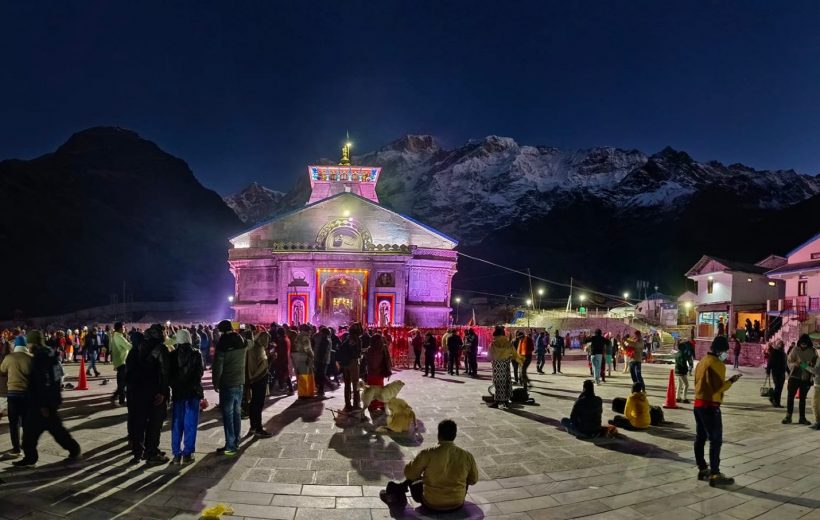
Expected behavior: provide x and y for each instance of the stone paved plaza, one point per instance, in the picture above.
(529, 467)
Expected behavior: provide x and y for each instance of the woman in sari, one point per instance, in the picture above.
(501, 352)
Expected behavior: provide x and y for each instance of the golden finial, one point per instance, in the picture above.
(346, 152)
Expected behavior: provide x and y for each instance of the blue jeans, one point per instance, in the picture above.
(596, 366)
(708, 425)
(635, 372)
(91, 357)
(184, 422)
(230, 400)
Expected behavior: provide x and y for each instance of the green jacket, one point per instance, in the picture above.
(229, 362)
(119, 349)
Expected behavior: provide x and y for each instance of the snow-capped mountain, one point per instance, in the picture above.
(255, 203)
(489, 183)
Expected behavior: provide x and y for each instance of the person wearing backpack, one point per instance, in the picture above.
(44, 399)
(186, 393)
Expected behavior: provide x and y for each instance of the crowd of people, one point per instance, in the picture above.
(162, 368)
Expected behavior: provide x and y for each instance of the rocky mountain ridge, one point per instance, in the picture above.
(492, 182)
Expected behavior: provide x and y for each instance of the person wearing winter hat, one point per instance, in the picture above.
(44, 398)
(147, 371)
(801, 361)
(186, 391)
(15, 370)
(710, 385)
(228, 380)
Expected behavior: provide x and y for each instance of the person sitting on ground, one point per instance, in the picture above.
(438, 477)
(585, 418)
(636, 413)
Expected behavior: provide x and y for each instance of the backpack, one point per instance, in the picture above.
(656, 416)
(520, 395)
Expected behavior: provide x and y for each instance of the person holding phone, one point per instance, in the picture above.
(710, 385)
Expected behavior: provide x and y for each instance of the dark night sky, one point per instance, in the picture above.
(255, 90)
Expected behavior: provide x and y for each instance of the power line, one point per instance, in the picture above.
(545, 280)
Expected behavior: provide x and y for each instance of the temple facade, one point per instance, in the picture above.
(343, 258)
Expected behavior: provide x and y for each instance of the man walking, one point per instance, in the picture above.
(540, 351)
(228, 380)
(16, 370)
(119, 351)
(91, 351)
(44, 398)
(417, 343)
(597, 345)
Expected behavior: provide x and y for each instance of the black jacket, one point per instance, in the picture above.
(777, 362)
(45, 379)
(454, 342)
(471, 342)
(586, 414)
(147, 368)
(597, 344)
(186, 372)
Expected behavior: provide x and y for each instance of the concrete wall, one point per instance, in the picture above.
(721, 290)
(751, 354)
(804, 253)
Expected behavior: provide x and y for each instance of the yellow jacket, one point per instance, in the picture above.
(501, 349)
(446, 470)
(637, 410)
(710, 379)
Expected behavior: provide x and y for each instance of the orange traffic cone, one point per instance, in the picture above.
(670, 392)
(82, 384)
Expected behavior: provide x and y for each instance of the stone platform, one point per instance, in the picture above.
(529, 467)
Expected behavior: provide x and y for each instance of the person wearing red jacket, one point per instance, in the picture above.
(526, 347)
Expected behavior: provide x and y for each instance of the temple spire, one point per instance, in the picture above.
(346, 151)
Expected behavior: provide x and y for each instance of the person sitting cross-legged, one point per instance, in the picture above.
(438, 477)
(636, 413)
(585, 419)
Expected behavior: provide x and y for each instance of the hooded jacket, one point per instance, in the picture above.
(148, 367)
(637, 410)
(186, 372)
(229, 361)
(44, 388)
(256, 359)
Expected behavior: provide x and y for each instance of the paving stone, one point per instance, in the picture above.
(332, 491)
(529, 467)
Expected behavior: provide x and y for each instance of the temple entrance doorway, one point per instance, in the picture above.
(341, 300)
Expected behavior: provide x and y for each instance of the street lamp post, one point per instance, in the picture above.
(582, 298)
(540, 294)
(458, 306)
(529, 309)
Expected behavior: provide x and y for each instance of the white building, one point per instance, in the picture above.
(801, 276)
(728, 293)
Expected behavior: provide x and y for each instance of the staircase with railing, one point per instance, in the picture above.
(796, 313)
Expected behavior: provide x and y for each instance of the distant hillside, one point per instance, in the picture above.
(109, 207)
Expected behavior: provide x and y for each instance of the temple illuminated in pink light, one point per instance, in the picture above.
(342, 258)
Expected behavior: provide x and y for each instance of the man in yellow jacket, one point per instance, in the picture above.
(710, 385)
(438, 477)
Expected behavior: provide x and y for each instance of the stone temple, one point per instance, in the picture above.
(342, 258)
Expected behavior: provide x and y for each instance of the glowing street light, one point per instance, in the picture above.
(582, 297)
(626, 295)
(529, 302)
(230, 299)
(346, 213)
(458, 306)
(540, 294)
